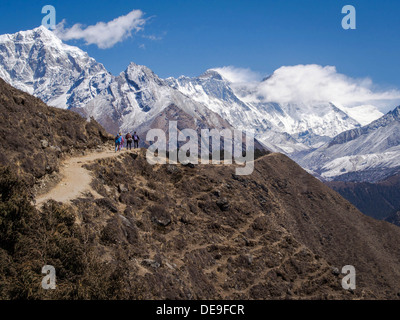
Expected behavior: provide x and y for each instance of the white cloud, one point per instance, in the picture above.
(310, 83)
(238, 75)
(104, 34)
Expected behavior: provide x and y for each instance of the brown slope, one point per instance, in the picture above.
(178, 232)
(205, 233)
(394, 218)
(378, 200)
(333, 228)
(34, 137)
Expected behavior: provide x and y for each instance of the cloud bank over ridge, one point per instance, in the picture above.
(311, 83)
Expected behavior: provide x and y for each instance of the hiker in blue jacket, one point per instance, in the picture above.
(118, 141)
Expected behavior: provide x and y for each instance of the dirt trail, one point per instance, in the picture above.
(76, 179)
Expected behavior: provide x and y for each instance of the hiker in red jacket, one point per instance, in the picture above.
(129, 140)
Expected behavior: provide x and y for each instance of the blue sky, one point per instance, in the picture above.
(190, 36)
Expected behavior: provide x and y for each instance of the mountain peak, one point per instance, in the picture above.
(396, 113)
(140, 73)
(41, 35)
(133, 66)
(43, 30)
(38, 62)
(212, 74)
(40, 32)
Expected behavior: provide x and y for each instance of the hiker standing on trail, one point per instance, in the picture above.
(122, 142)
(135, 140)
(129, 140)
(118, 140)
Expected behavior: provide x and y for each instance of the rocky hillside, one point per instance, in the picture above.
(35, 137)
(181, 232)
(190, 233)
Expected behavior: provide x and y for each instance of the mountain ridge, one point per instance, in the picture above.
(67, 77)
(366, 154)
(137, 94)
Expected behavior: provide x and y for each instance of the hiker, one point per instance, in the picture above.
(135, 140)
(122, 142)
(118, 140)
(129, 140)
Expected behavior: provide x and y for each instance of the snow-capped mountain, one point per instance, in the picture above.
(369, 153)
(285, 127)
(63, 76)
(38, 62)
(137, 96)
